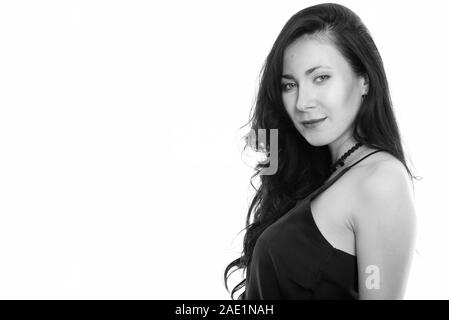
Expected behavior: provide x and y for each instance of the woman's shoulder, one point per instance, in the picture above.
(382, 179)
(379, 177)
(382, 164)
(376, 163)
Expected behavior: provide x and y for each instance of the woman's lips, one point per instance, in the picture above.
(313, 123)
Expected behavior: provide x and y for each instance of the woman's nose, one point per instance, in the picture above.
(304, 100)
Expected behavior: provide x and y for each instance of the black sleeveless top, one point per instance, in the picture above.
(293, 260)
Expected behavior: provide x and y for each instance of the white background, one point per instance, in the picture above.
(120, 169)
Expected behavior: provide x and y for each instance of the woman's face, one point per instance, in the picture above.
(317, 82)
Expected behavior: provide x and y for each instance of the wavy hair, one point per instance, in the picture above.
(302, 167)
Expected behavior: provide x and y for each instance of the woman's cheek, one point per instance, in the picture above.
(288, 105)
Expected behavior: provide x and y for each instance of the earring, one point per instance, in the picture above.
(363, 96)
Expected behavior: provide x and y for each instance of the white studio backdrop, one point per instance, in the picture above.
(120, 169)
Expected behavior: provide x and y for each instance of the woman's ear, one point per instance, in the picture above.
(365, 85)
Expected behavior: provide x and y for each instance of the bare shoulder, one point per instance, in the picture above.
(380, 169)
(383, 175)
(381, 183)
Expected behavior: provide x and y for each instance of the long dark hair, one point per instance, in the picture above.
(303, 167)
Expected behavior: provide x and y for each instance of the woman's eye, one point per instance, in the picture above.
(322, 78)
(287, 86)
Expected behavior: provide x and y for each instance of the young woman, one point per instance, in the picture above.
(337, 219)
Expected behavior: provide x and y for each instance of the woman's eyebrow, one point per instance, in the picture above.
(308, 71)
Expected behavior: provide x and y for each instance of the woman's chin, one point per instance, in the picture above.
(316, 141)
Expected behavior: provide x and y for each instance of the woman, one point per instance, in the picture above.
(336, 220)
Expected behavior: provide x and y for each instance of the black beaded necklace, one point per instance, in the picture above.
(340, 161)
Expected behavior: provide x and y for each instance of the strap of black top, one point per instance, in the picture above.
(362, 159)
(331, 181)
(347, 168)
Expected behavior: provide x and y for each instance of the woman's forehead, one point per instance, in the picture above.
(307, 52)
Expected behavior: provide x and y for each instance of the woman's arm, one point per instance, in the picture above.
(384, 223)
